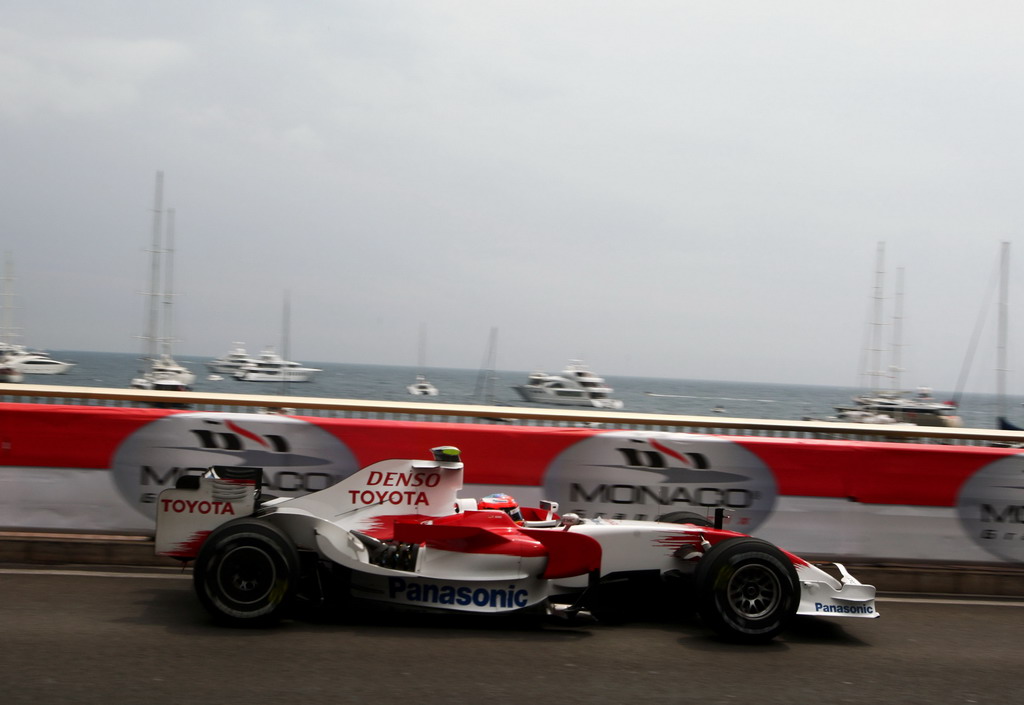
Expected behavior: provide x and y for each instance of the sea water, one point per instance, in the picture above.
(654, 395)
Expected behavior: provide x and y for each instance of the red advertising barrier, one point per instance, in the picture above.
(95, 468)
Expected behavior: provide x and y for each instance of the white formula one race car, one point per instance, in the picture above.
(396, 532)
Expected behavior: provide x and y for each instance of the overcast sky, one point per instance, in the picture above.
(669, 189)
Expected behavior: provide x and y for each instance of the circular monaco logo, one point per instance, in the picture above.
(646, 475)
(991, 508)
(297, 457)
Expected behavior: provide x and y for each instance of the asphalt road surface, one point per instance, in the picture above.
(141, 638)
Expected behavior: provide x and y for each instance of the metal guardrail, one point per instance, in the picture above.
(467, 413)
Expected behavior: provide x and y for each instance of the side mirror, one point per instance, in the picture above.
(550, 507)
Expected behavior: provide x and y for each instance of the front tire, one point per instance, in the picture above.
(747, 590)
(246, 573)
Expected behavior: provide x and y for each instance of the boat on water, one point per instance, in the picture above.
(164, 373)
(575, 386)
(34, 362)
(422, 387)
(882, 402)
(852, 415)
(230, 362)
(920, 408)
(271, 367)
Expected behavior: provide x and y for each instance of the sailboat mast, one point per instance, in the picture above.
(1001, 371)
(8, 332)
(167, 331)
(152, 320)
(875, 350)
(421, 357)
(896, 368)
(285, 325)
(286, 314)
(484, 389)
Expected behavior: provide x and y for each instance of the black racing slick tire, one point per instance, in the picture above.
(246, 573)
(747, 590)
(685, 518)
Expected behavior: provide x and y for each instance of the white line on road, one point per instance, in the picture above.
(1008, 602)
(94, 573)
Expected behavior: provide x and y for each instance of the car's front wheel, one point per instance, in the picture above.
(747, 589)
(246, 573)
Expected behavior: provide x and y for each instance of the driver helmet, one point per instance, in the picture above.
(503, 502)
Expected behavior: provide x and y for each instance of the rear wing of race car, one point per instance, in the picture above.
(394, 487)
(197, 505)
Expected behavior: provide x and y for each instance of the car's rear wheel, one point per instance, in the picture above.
(747, 590)
(685, 518)
(246, 573)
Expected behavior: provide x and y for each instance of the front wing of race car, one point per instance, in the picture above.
(823, 595)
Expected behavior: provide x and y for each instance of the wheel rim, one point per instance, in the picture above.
(754, 591)
(247, 575)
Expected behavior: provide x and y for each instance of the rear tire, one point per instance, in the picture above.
(747, 590)
(685, 518)
(246, 573)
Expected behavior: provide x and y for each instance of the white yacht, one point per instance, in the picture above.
(271, 367)
(919, 408)
(575, 386)
(851, 415)
(231, 361)
(422, 387)
(34, 362)
(165, 374)
(155, 384)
